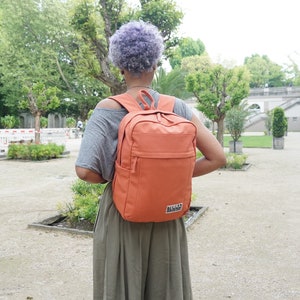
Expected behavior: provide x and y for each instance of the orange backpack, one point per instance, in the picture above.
(156, 155)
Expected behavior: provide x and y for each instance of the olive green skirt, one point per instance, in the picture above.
(139, 261)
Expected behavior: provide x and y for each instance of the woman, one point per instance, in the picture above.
(135, 261)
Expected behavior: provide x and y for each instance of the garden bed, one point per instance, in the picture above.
(60, 223)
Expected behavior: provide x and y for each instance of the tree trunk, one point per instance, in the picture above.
(236, 147)
(220, 131)
(37, 128)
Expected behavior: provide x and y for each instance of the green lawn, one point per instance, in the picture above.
(261, 141)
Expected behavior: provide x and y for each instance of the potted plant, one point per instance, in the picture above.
(235, 123)
(279, 126)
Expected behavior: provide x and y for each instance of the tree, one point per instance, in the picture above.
(39, 99)
(196, 63)
(96, 23)
(264, 72)
(217, 90)
(292, 72)
(235, 121)
(28, 50)
(64, 44)
(30, 69)
(187, 47)
(39, 45)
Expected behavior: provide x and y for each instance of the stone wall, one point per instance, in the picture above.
(54, 121)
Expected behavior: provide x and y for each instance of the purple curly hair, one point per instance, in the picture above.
(136, 47)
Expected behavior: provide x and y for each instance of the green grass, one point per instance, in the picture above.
(261, 141)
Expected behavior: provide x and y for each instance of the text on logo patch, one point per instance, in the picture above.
(174, 208)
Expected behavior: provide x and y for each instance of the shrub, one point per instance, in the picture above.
(35, 151)
(268, 122)
(279, 122)
(71, 122)
(90, 113)
(235, 161)
(85, 203)
(83, 188)
(44, 122)
(83, 208)
(9, 121)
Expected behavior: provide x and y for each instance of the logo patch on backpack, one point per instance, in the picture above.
(174, 208)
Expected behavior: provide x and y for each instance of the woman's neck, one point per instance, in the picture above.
(143, 81)
(138, 87)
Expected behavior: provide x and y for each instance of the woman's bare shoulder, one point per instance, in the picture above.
(108, 103)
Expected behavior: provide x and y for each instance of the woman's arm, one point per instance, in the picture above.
(91, 135)
(213, 153)
(89, 176)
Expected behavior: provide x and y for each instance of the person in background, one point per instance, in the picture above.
(137, 261)
(79, 125)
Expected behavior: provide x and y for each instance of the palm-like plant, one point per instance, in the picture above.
(171, 83)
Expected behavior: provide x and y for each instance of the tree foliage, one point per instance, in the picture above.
(31, 53)
(64, 45)
(235, 120)
(96, 22)
(164, 14)
(264, 72)
(40, 47)
(196, 63)
(292, 72)
(217, 90)
(187, 47)
(39, 99)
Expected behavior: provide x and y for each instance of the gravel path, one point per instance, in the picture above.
(246, 246)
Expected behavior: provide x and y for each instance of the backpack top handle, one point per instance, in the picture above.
(146, 105)
(165, 102)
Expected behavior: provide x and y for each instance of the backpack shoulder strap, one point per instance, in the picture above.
(166, 103)
(126, 101)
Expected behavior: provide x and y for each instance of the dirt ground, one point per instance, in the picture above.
(246, 246)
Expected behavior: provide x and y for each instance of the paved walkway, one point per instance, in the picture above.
(246, 246)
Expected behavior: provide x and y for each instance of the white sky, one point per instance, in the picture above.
(234, 29)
